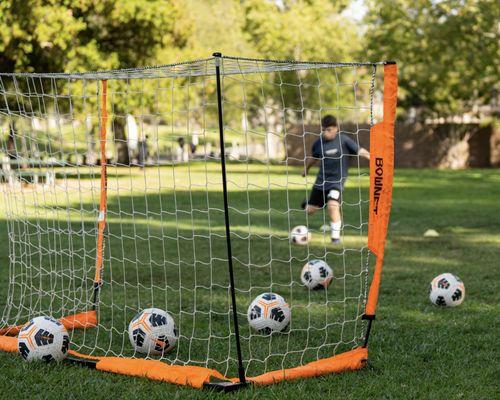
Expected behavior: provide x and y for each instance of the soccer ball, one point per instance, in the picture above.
(43, 338)
(316, 274)
(300, 235)
(447, 290)
(268, 313)
(152, 331)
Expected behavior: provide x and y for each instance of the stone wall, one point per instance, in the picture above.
(417, 146)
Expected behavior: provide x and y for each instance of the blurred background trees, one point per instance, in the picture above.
(447, 51)
(82, 35)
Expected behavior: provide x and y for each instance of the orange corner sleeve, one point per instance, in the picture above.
(157, 370)
(11, 330)
(82, 320)
(381, 181)
(104, 179)
(8, 343)
(348, 361)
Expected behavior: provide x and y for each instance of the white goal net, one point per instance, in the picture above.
(113, 200)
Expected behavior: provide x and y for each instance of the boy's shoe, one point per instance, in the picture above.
(303, 205)
(335, 241)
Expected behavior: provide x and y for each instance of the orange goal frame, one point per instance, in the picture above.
(381, 183)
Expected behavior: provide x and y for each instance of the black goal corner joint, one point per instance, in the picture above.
(225, 387)
(370, 319)
(82, 362)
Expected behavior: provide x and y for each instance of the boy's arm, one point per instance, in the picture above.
(354, 148)
(309, 163)
(364, 153)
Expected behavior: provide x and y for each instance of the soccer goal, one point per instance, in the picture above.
(177, 187)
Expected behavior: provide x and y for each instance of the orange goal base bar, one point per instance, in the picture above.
(83, 320)
(198, 377)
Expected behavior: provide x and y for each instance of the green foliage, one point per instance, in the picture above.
(217, 26)
(80, 35)
(312, 30)
(447, 51)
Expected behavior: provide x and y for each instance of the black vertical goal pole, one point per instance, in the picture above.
(227, 386)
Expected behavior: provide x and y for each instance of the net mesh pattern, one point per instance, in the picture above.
(164, 243)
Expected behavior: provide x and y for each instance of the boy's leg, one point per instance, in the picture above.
(315, 202)
(334, 200)
(311, 209)
(336, 219)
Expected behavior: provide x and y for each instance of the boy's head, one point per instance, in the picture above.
(329, 127)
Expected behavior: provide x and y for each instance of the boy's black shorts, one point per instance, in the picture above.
(319, 197)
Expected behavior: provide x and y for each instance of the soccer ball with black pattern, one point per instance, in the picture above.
(44, 339)
(447, 290)
(269, 312)
(300, 235)
(316, 274)
(153, 332)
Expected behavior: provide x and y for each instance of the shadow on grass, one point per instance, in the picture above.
(168, 250)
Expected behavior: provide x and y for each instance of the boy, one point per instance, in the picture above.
(332, 149)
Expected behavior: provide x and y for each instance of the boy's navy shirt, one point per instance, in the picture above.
(334, 161)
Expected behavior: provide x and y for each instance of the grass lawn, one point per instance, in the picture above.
(417, 350)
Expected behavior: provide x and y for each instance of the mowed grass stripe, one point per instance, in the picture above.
(415, 347)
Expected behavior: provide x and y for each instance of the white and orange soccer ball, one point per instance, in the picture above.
(447, 290)
(43, 338)
(269, 312)
(316, 274)
(153, 332)
(300, 235)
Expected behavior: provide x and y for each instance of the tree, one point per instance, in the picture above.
(309, 30)
(447, 51)
(81, 35)
(302, 30)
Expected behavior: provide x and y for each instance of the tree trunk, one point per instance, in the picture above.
(122, 154)
(91, 155)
